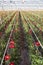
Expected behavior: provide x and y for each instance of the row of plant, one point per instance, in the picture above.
(4, 15)
(13, 48)
(38, 32)
(4, 40)
(7, 25)
(7, 20)
(35, 56)
(36, 20)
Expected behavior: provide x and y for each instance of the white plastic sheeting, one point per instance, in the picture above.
(21, 4)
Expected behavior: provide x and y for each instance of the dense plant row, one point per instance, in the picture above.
(4, 37)
(34, 54)
(22, 49)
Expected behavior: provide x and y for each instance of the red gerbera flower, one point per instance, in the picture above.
(12, 42)
(12, 63)
(37, 43)
(7, 57)
(11, 46)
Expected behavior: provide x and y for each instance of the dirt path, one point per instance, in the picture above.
(25, 59)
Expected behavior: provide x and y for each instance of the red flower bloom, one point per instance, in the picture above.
(11, 46)
(12, 63)
(37, 44)
(7, 57)
(12, 42)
